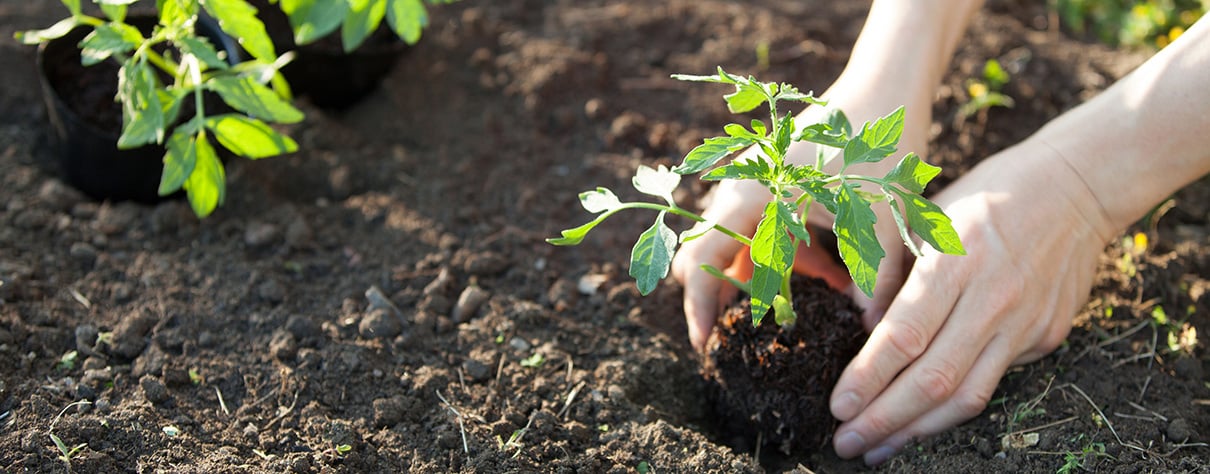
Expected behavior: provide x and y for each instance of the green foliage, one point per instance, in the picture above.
(357, 19)
(792, 188)
(152, 106)
(1149, 23)
(986, 92)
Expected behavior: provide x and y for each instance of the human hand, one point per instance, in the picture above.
(1032, 232)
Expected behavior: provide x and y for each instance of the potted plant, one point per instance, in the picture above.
(161, 75)
(358, 57)
(749, 365)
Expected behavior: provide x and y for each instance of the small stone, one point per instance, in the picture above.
(468, 302)
(114, 218)
(130, 336)
(175, 377)
(102, 405)
(168, 217)
(476, 370)
(593, 108)
(486, 264)
(97, 377)
(519, 344)
(388, 412)
(271, 291)
(83, 252)
(153, 390)
(376, 299)
(260, 234)
(303, 327)
(562, 293)
(86, 337)
(59, 196)
(435, 303)
(439, 284)
(380, 323)
(85, 392)
(1180, 430)
(206, 339)
(283, 346)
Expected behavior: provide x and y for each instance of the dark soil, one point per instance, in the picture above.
(261, 339)
(770, 385)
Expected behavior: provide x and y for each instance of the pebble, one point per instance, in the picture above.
(114, 218)
(83, 252)
(283, 346)
(376, 299)
(439, 284)
(168, 217)
(153, 390)
(129, 337)
(380, 323)
(260, 234)
(388, 411)
(303, 327)
(476, 370)
(469, 302)
(593, 108)
(486, 264)
(1179, 430)
(58, 195)
(86, 336)
(435, 303)
(1189, 368)
(519, 344)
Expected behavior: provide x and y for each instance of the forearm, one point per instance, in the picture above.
(1145, 137)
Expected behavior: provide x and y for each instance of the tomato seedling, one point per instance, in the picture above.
(792, 188)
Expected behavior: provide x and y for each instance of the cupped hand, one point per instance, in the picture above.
(1032, 232)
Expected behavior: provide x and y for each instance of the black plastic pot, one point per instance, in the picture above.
(86, 121)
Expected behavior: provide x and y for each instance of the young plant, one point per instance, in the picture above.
(792, 188)
(155, 83)
(986, 92)
(357, 19)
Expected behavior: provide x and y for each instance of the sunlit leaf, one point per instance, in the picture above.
(249, 137)
(207, 185)
(710, 152)
(656, 182)
(599, 200)
(855, 237)
(876, 141)
(363, 18)
(407, 19)
(246, 95)
(912, 173)
(772, 259)
(651, 257)
(238, 18)
(931, 224)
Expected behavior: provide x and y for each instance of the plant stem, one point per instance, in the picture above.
(683, 213)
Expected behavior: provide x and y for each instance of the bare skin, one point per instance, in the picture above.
(1033, 218)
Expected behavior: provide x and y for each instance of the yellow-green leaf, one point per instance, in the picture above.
(249, 137)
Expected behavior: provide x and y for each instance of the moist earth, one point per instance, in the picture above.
(383, 300)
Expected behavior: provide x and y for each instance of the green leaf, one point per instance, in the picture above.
(899, 224)
(789, 92)
(738, 131)
(747, 96)
(56, 31)
(249, 137)
(248, 96)
(912, 173)
(599, 200)
(114, 12)
(656, 182)
(785, 130)
(759, 127)
(207, 185)
(142, 112)
(931, 224)
(107, 40)
(699, 229)
(994, 74)
(201, 48)
(651, 256)
(793, 221)
(859, 246)
(73, 6)
(838, 122)
(313, 19)
(238, 19)
(822, 195)
(710, 152)
(364, 17)
(576, 235)
(179, 161)
(772, 259)
(407, 19)
(745, 169)
(876, 141)
(174, 13)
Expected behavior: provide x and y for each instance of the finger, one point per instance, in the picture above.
(813, 260)
(913, 320)
(702, 289)
(968, 401)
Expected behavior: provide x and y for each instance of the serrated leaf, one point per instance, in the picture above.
(363, 18)
(207, 185)
(720, 78)
(699, 229)
(174, 13)
(738, 131)
(313, 19)
(747, 96)
(599, 200)
(822, 195)
(839, 122)
(55, 31)
(201, 48)
(710, 152)
(238, 19)
(876, 141)
(772, 258)
(407, 19)
(855, 237)
(931, 224)
(107, 40)
(793, 221)
(142, 112)
(901, 225)
(912, 173)
(114, 12)
(248, 96)
(789, 92)
(656, 182)
(785, 130)
(249, 137)
(759, 127)
(179, 161)
(651, 257)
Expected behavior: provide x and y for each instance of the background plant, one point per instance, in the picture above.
(986, 91)
(792, 189)
(356, 19)
(155, 83)
(1150, 23)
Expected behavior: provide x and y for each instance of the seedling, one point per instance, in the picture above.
(792, 187)
(533, 361)
(986, 91)
(356, 19)
(152, 106)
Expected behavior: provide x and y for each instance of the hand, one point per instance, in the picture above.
(1032, 232)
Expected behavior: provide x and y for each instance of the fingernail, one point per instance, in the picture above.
(849, 444)
(845, 406)
(879, 455)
